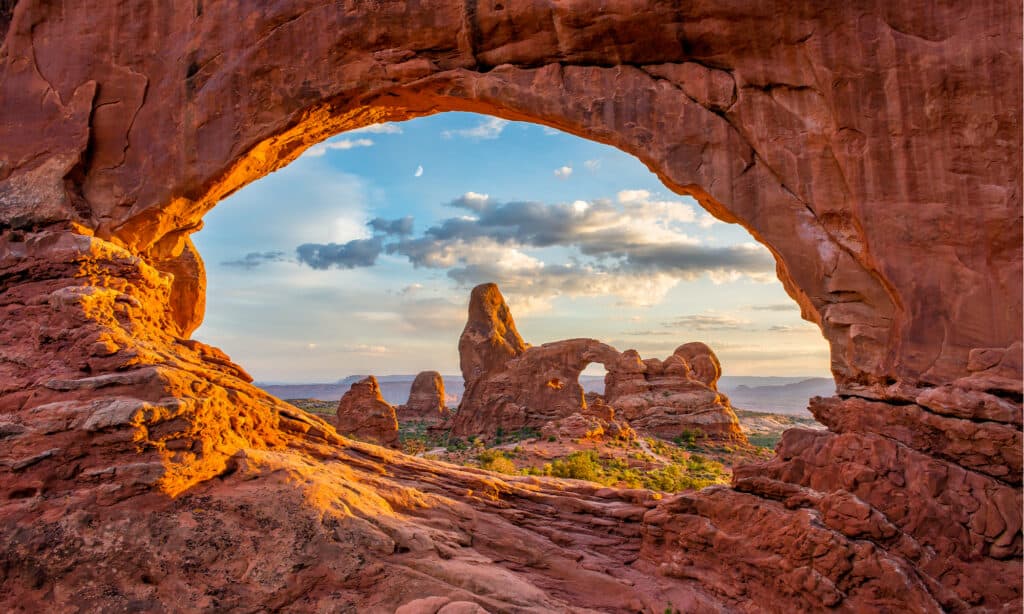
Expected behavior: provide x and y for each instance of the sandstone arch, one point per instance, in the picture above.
(511, 385)
(874, 148)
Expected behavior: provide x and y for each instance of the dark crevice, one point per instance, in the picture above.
(6, 14)
(473, 33)
(23, 493)
(895, 402)
(768, 88)
(1009, 395)
(904, 403)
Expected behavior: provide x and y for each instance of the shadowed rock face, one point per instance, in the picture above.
(510, 386)
(875, 149)
(426, 399)
(363, 413)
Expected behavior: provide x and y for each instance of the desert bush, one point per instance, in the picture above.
(580, 465)
(689, 437)
(686, 472)
(413, 445)
(495, 460)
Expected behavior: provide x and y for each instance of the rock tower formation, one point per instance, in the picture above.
(426, 399)
(511, 385)
(874, 147)
(363, 413)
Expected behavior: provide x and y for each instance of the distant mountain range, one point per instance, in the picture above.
(783, 395)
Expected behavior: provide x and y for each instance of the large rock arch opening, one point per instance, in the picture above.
(875, 150)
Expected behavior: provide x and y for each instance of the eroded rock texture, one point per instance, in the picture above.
(874, 147)
(511, 385)
(426, 400)
(666, 397)
(363, 413)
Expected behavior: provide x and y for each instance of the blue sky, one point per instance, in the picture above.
(359, 256)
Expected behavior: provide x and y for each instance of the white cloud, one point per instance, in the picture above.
(385, 128)
(563, 172)
(630, 196)
(535, 283)
(489, 128)
(343, 144)
(419, 171)
(364, 348)
(375, 316)
(719, 277)
(474, 201)
(549, 131)
(707, 322)
(592, 165)
(639, 202)
(806, 327)
(671, 210)
(433, 314)
(706, 220)
(790, 306)
(636, 250)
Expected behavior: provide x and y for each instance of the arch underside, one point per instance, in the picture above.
(875, 151)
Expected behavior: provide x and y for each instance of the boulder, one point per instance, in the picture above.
(364, 414)
(426, 400)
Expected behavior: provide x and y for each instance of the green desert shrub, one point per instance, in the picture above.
(581, 465)
(495, 460)
(689, 437)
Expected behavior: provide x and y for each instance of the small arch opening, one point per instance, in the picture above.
(593, 379)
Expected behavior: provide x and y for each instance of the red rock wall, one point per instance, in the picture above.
(874, 147)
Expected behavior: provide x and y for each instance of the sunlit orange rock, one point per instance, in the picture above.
(874, 149)
(363, 413)
(426, 400)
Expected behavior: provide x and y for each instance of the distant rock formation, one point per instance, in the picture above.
(661, 397)
(426, 399)
(511, 385)
(490, 338)
(363, 413)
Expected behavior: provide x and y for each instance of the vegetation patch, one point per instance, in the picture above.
(685, 471)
